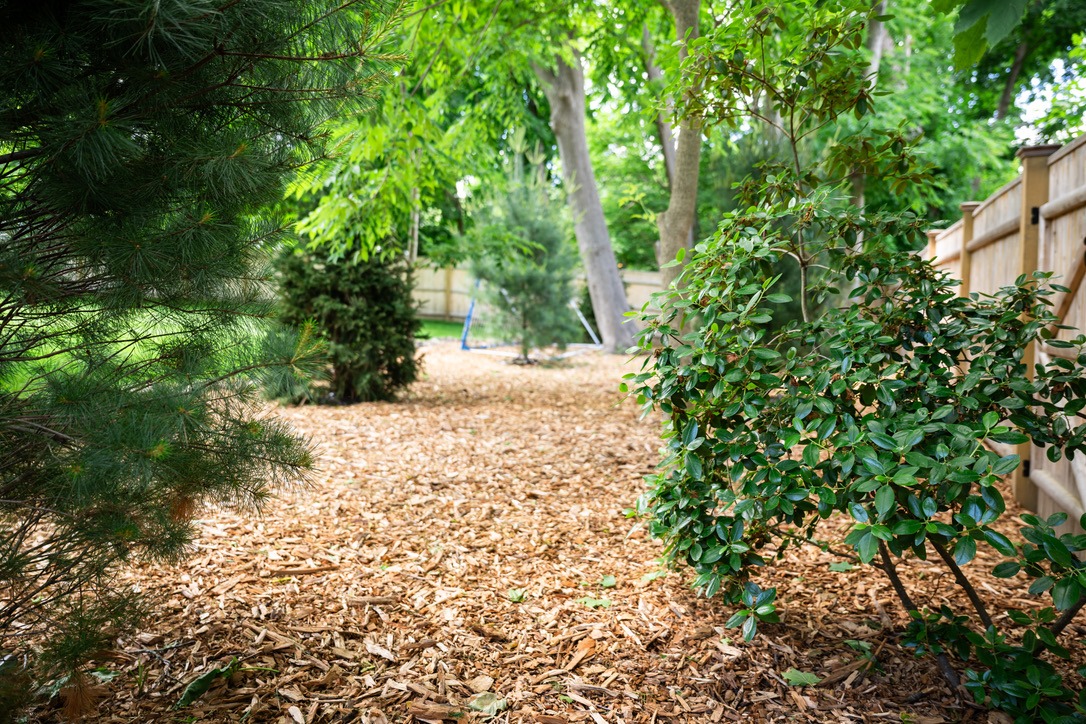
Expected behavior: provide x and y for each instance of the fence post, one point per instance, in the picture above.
(967, 236)
(448, 292)
(931, 243)
(1034, 195)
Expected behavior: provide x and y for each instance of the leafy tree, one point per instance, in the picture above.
(875, 409)
(138, 143)
(1066, 114)
(455, 105)
(364, 313)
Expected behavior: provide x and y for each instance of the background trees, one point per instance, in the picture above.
(139, 143)
(528, 269)
(477, 71)
(362, 312)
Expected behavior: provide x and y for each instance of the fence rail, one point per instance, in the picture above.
(446, 292)
(1038, 221)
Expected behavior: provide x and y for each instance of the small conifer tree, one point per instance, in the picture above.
(529, 271)
(138, 143)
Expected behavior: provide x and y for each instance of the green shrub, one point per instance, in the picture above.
(877, 408)
(364, 313)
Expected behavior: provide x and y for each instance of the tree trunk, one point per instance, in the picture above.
(676, 225)
(565, 91)
(1005, 98)
(877, 39)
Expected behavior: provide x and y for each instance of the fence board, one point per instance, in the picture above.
(948, 250)
(1060, 249)
(445, 293)
(1038, 221)
(995, 245)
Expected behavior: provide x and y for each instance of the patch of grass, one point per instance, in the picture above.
(437, 329)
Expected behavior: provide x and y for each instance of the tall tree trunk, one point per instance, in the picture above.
(676, 224)
(877, 40)
(565, 91)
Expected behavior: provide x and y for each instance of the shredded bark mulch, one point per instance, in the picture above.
(466, 552)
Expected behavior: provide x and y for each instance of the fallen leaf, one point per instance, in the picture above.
(488, 703)
(795, 677)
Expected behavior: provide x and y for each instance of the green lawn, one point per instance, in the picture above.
(436, 329)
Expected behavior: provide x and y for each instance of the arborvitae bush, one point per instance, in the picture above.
(364, 312)
(530, 280)
(139, 142)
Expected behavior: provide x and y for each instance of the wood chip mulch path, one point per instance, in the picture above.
(467, 548)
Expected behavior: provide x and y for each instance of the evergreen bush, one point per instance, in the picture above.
(138, 143)
(875, 409)
(364, 313)
(530, 280)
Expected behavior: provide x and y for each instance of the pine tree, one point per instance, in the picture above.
(529, 282)
(139, 142)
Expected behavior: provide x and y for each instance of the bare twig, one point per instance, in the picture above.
(890, 570)
(971, 592)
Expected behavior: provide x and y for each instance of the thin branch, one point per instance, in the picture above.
(431, 6)
(1068, 616)
(479, 41)
(19, 155)
(890, 570)
(963, 582)
(426, 72)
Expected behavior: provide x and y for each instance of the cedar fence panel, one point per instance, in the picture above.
(1062, 222)
(446, 292)
(1036, 222)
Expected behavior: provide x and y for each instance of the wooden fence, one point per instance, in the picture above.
(1038, 221)
(446, 292)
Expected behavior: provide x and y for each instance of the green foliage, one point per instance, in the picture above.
(531, 283)
(139, 142)
(878, 407)
(795, 677)
(364, 313)
(199, 686)
(1066, 115)
(981, 25)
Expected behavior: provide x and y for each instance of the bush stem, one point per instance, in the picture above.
(959, 576)
(890, 570)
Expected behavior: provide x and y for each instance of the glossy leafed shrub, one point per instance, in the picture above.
(876, 405)
(877, 410)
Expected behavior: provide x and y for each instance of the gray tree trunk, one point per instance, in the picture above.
(564, 88)
(676, 224)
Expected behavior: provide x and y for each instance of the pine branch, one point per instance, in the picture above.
(19, 155)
